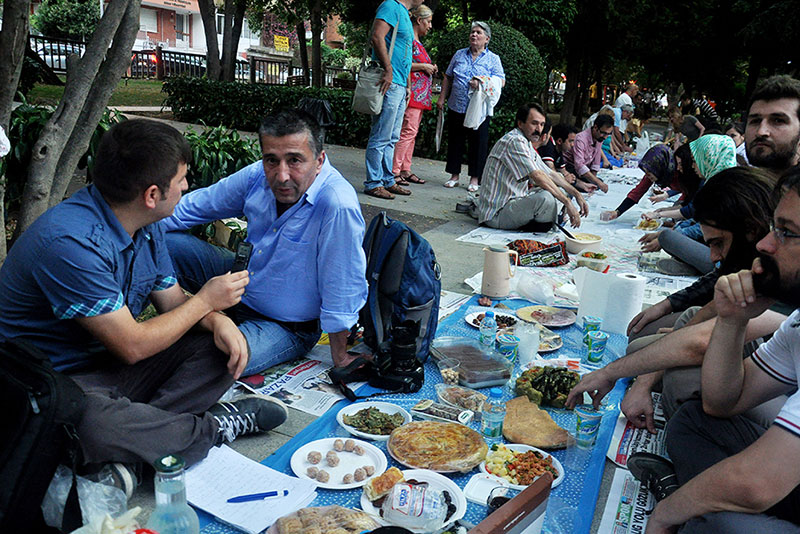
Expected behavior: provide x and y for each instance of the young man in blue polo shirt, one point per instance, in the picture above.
(75, 281)
(385, 132)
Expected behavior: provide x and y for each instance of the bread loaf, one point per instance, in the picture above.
(377, 487)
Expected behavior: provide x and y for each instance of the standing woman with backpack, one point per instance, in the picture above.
(421, 83)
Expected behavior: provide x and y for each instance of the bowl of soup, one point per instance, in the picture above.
(581, 241)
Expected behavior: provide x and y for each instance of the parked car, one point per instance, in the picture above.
(55, 54)
(143, 64)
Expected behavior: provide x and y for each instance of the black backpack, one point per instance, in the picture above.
(404, 285)
(44, 407)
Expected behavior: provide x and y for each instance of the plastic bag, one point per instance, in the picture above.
(97, 498)
(124, 524)
(533, 289)
(643, 144)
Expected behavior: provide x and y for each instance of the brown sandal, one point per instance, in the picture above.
(397, 190)
(399, 180)
(379, 192)
(414, 179)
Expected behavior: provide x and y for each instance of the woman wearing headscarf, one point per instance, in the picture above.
(659, 168)
(711, 154)
(462, 75)
(422, 71)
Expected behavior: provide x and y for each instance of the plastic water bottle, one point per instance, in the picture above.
(172, 514)
(494, 411)
(488, 330)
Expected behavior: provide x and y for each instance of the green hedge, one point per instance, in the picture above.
(241, 105)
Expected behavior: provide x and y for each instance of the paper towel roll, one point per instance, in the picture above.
(616, 298)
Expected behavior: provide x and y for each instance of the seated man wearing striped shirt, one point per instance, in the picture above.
(518, 190)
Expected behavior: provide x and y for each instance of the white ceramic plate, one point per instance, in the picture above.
(385, 407)
(472, 318)
(437, 482)
(518, 447)
(348, 462)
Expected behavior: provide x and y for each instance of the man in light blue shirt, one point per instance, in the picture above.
(386, 126)
(307, 268)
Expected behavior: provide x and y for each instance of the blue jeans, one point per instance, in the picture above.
(270, 343)
(383, 136)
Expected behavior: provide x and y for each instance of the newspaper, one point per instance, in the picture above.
(303, 383)
(450, 301)
(627, 439)
(628, 506)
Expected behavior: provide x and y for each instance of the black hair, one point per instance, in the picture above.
(603, 120)
(739, 200)
(524, 111)
(547, 125)
(738, 126)
(688, 179)
(135, 154)
(789, 181)
(293, 121)
(562, 131)
(775, 88)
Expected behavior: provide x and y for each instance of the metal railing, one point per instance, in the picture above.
(54, 52)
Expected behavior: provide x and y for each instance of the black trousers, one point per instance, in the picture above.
(458, 136)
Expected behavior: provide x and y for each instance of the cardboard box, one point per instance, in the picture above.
(228, 233)
(524, 514)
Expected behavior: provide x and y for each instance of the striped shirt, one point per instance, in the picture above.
(505, 176)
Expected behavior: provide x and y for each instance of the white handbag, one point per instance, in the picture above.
(367, 97)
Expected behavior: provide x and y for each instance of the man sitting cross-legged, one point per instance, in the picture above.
(75, 281)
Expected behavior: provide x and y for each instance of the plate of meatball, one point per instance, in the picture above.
(338, 463)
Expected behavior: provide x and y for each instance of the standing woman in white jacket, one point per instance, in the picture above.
(461, 75)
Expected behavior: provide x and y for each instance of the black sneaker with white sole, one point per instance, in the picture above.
(248, 415)
(656, 473)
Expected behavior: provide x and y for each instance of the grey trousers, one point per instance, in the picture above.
(141, 412)
(696, 441)
(540, 206)
(687, 250)
(680, 384)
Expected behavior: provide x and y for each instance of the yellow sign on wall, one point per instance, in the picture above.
(281, 43)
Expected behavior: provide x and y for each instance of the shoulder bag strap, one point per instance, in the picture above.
(369, 40)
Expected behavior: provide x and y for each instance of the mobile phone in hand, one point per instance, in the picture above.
(243, 252)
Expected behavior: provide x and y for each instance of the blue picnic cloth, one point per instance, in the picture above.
(571, 505)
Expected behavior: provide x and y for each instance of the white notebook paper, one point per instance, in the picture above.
(225, 473)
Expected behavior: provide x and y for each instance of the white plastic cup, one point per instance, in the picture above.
(528, 350)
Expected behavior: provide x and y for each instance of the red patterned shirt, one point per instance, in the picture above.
(420, 81)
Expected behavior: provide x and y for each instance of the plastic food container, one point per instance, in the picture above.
(479, 367)
(461, 397)
(592, 258)
(449, 368)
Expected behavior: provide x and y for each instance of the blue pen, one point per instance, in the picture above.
(259, 496)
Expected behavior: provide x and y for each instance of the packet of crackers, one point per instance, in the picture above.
(536, 254)
(324, 520)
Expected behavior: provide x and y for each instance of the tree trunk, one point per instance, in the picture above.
(753, 71)
(301, 36)
(49, 147)
(316, 42)
(573, 77)
(227, 37)
(115, 65)
(13, 42)
(208, 14)
(236, 33)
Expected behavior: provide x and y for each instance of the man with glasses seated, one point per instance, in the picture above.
(731, 474)
(584, 158)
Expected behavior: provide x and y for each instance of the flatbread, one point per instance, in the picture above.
(442, 447)
(528, 424)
